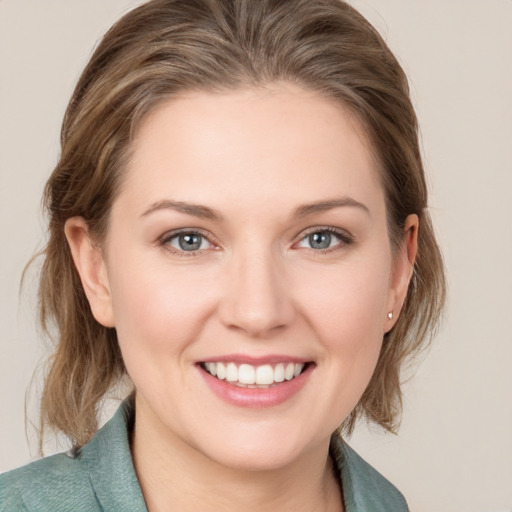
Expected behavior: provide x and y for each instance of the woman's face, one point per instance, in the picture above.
(249, 240)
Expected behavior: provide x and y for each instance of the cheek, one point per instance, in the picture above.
(157, 309)
(347, 310)
(348, 302)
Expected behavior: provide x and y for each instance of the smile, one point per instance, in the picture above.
(242, 382)
(252, 376)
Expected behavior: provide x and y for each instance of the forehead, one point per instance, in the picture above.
(266, 145)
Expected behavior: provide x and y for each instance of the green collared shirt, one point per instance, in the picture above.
(100, 477)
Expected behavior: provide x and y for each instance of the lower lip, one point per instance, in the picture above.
(256, 397)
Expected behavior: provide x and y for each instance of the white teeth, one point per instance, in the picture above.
(221, 371)
(212, 368)
(247, 375)
(231, 372)
(264, 375)
(279, 372)
(289, 370)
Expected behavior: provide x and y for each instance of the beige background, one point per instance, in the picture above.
(454, 451)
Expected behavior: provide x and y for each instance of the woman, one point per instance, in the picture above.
(238, 224)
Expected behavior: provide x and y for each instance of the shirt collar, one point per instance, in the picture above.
(109, 464)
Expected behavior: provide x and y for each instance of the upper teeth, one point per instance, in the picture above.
(247, 374)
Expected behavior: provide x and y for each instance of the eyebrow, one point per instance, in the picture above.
(204, 212)
(322, 206)
(197, 210)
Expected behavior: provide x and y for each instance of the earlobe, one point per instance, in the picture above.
(90, 264)
(403, 269)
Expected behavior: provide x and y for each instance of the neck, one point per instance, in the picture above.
(175, 476)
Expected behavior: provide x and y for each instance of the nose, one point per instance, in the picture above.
(257, 298)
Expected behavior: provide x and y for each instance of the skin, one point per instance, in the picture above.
(255, 287)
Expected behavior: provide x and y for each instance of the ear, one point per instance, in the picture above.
(403, 268)
(90, 264)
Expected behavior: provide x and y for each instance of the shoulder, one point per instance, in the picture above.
(54, 483)
(364, 488)
(99, 476)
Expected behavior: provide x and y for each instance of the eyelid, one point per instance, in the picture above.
(169, 235)
(345, 237)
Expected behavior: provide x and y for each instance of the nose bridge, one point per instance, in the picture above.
(257, 299)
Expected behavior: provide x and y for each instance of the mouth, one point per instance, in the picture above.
(254, 376)
(255, 382)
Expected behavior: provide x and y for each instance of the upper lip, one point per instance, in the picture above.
(255, 360)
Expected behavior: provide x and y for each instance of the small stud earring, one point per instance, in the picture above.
(390, 315)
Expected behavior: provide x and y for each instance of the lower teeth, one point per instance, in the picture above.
(252, 386)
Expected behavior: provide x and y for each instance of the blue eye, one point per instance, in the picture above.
(323, 239)
(187, 241)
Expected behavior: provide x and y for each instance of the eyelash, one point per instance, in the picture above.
(168, 237)
(344, 238)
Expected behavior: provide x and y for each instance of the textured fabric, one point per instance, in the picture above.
(364, 488)
(101, 478)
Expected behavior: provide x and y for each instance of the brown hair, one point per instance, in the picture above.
(165, 47)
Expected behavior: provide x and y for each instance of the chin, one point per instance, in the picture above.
(262, 450)
(250, 460)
